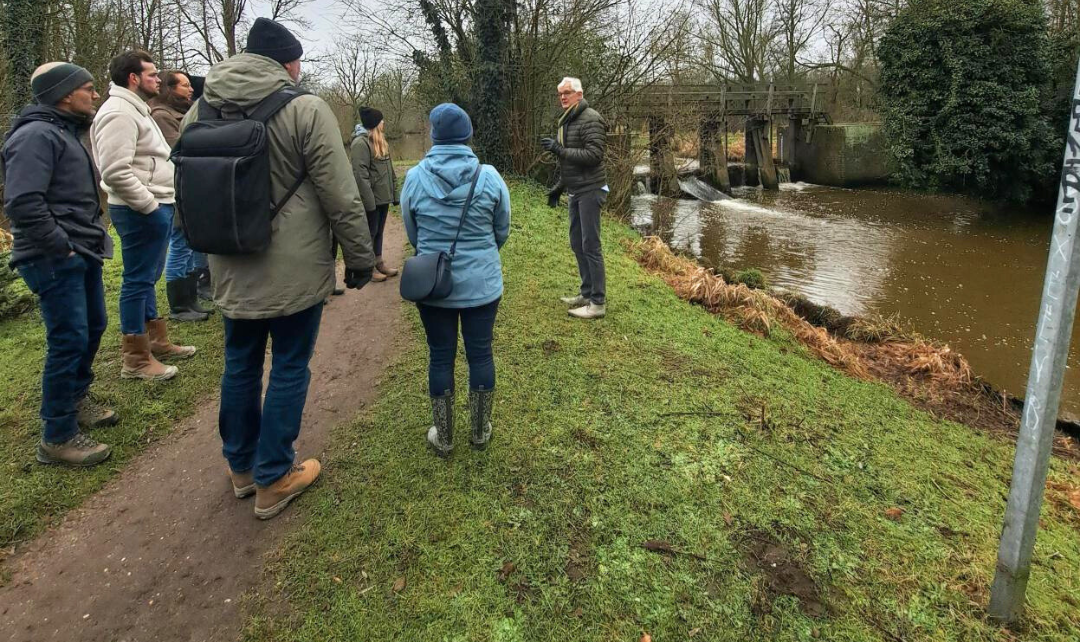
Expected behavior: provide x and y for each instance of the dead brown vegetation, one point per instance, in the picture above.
(931, 375)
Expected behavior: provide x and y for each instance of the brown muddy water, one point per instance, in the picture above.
(958, 270)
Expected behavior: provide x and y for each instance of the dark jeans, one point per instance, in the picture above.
(441, 327)
(259, 433)
(73, 309)
(376, 224)
(144, 239)
(585, 242)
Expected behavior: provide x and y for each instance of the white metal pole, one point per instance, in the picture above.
(1048, 360)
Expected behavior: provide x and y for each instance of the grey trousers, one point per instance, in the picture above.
(585, 242)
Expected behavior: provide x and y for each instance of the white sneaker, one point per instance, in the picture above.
(574, 301)
(590, 311)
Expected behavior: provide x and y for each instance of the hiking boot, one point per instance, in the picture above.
(338, 290)
(80, 450)
(158, 331)
(273, 499)
(377, 277)
(92, 415)
(380, 266)
(181, 294)
(574, 301)
(590, 311)
(480, 418)
(139, 362)
(441, 435)
(243, 484)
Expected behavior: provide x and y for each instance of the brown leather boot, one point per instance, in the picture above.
(272, 499)
(160, 344)
(139, 362)
(243, 484)
(381, 267)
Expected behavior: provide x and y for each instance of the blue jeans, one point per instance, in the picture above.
(144, 238)
(477, 327)
(73, 308)
(260, 436)
(182, 260)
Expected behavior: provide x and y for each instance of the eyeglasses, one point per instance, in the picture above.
(567, 93)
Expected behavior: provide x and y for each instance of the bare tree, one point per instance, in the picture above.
(740, 33)
(352, 73)
(798, 24)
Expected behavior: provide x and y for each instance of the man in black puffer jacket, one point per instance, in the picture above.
(579, 146)
(51, 199)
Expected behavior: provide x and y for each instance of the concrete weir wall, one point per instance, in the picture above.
(842, 155)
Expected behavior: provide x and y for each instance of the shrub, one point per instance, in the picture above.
(964, 94)
(752, 278)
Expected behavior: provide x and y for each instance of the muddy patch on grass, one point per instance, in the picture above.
(782, 574)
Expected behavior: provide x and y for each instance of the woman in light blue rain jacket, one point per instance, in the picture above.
(431, 204)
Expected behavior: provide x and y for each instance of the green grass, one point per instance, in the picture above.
(31, 495)
(540, 537)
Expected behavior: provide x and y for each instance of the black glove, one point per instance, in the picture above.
(551, 145)
(356, 279)
(396, 202)
(553, 198)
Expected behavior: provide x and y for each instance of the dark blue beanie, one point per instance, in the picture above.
(450, 125)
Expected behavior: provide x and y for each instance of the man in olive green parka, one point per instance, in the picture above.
(278, 294)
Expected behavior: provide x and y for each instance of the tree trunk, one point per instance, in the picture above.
(23, 24)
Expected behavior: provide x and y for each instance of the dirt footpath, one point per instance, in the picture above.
(165, 551)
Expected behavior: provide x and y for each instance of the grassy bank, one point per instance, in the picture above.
(32, 494)
(658, 471)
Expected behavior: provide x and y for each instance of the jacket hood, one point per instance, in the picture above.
(48, 114)
(446, 172)
(244, 80)
(358, 131)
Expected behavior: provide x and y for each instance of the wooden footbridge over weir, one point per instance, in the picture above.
(794, 109)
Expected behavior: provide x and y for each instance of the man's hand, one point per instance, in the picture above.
(553, 198)
(551, 145)
(356, 279)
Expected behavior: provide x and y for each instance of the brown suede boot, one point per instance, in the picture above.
(80, 450)
(243, 484)
(382, 267)
(139, 362)
(273, 499)
(160, 344)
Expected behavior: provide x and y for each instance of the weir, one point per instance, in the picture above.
(788, 133)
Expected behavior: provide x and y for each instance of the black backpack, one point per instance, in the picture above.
(223, 177)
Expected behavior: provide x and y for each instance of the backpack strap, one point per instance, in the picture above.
(274, 103)
(266, 110)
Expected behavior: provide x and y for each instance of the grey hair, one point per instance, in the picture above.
(575, 83)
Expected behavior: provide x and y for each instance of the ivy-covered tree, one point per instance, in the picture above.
(24, 33)
(491, 113)
(963, 93)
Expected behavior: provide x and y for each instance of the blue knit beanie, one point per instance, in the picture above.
(450, 125)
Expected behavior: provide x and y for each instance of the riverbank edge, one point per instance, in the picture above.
(636, 461)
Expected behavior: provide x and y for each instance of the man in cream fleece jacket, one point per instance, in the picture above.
(137, 176)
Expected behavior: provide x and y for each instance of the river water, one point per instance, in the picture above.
(959, 270)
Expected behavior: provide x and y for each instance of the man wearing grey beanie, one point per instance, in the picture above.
(52, 202)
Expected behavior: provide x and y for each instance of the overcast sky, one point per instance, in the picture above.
(325, 17)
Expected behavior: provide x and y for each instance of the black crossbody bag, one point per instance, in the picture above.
(428, 277)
